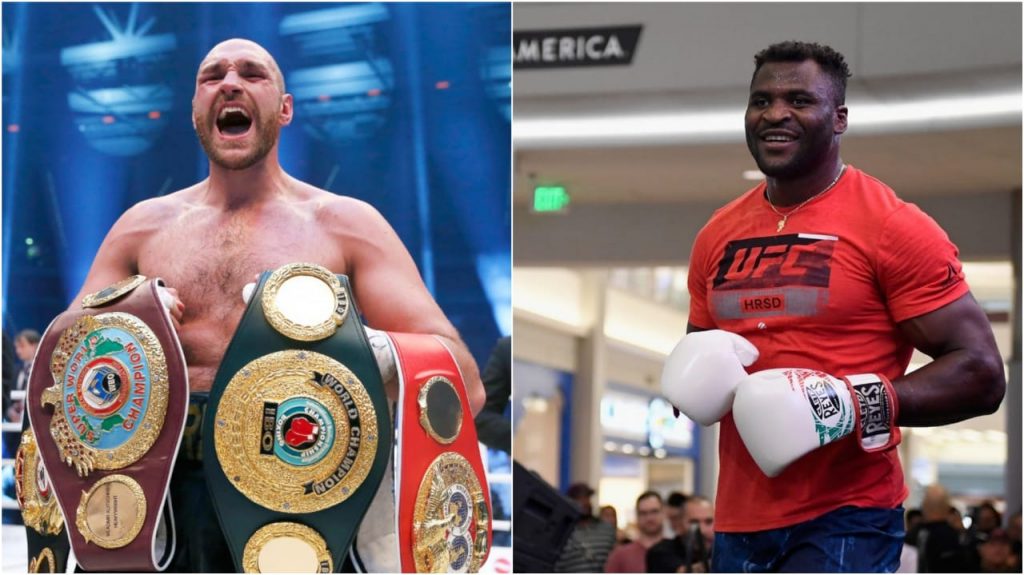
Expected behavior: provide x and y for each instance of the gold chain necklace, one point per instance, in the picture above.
(785, 216)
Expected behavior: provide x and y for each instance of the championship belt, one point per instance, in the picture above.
(444, 504)
(297, 432)
(107, 411)
(44, 525)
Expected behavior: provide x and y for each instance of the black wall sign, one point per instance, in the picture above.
(574, 47)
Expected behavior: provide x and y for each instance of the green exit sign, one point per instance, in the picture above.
(550, 199)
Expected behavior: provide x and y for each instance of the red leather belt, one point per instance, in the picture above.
(444, 507)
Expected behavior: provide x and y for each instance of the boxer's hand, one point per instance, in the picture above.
(782, 414)
(169, 297)
(702, 372)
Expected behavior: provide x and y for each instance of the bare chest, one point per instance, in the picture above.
(209, 260)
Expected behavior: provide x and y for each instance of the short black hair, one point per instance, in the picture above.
(676, 499)
(832, 62)
(29, 335)
(647, 494)
(987, 504)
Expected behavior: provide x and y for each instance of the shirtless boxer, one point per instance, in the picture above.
(209, 240)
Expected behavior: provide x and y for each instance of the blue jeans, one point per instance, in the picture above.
(849, 539)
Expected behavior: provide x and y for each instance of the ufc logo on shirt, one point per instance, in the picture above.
(773, 276)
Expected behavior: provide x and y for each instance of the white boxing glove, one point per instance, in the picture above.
(702, 372)
(783, 414)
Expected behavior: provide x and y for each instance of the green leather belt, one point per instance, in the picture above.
(297, 435)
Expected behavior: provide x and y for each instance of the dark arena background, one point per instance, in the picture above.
(405, 106)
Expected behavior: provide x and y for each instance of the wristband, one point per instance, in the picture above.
(877, 409)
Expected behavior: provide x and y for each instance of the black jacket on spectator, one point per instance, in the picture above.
(939, 549)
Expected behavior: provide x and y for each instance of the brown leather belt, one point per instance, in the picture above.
(107, 400)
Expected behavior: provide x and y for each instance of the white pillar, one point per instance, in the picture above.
(1013, 391)
(588, 388)
(708, 464)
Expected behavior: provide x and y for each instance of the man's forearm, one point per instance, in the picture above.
(956, 386)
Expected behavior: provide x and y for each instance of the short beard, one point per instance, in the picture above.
(800, 165)
(268, 135)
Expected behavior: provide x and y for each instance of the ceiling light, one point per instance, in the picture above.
(727, 125)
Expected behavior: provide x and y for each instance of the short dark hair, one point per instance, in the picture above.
(832, 62)
(647, 494)
(987, 504)
(676, 499)
(29, 335)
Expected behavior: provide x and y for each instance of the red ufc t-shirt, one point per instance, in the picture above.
(824, 293)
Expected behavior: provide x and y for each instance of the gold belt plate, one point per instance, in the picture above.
(109, 394)
(112, 512)
(296, 432)
(39, 507)
(112, 292)
(450, 518)
(440, 410)
(286, 547)
(305, 302)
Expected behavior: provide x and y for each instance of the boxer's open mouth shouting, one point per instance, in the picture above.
(233, 120)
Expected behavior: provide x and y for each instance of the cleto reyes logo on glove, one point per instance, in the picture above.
(832, 418)
(875, 413)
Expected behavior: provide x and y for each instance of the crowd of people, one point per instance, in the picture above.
(941, 542)
(675, 534)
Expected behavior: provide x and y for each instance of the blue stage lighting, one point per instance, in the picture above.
(346, 96)
(121, 97)
(496, 72)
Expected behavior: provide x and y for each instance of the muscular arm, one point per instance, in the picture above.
(117, 257)
(966, 377)
(393, 297)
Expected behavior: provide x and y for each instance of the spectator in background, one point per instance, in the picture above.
(1013, 532)
(690, 550)
(908, 554)
(986, 519)
(493, 427)
(8, 373)
(674, 514)
(609, 515)
(10, 446)
(996, 554)
(938, 544)
(956, 521)
(591, 540)
(631, 557)
(912, 521)
(25, 344)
